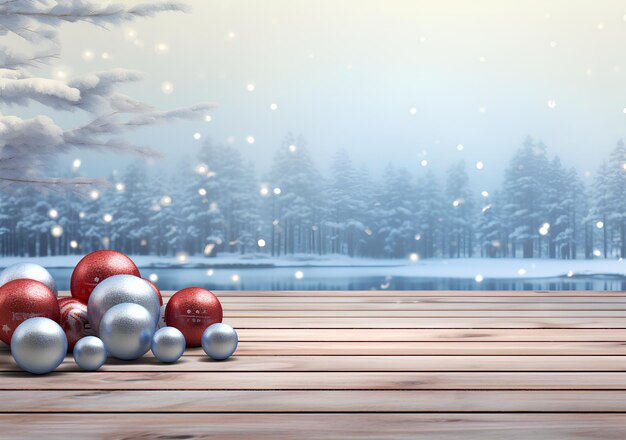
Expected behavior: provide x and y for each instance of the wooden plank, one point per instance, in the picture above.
(311, 401)
(503, 335)
(420, 293)
(421, 307)
(325, 380)
(369, 426)
(459, 313)
(465, 348)
(590, 294)
(427, 322)
(383, 299)
(373, 363)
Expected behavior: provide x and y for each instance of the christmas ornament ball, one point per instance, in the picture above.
(74, 320)
(191, 311)
(96, 267)
(90, 353)
(120, 289)
(168, 344)
(219, 341)
(39, 345)
(29, 271)
(23, 299)
(126, 330)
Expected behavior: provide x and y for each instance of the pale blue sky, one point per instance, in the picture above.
(346, 74)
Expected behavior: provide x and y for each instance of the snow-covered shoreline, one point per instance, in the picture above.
(462, 268)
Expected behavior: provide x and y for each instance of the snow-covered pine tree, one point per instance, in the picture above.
(616, 186)
(345, 206)
(524, 194)
(429, 216)
(460, 218)
(299, 199)
(600, 211)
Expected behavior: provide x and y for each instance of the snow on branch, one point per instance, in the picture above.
(28, 145)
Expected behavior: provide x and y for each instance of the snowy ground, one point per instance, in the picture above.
(434, 268)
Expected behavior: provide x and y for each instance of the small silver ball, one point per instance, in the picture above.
(39, 345)
(29, 271)
(168, 344)
(90, 353)
(219, 341)
(126, 330)
(120, 289)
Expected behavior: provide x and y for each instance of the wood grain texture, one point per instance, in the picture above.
(401, 364)
(370, 426)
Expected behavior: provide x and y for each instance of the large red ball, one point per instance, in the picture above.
(97, 266)
(23, 299)
(191, 311)
(74, 320)
(156, 289)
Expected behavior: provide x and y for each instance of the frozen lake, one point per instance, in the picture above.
(351, 278)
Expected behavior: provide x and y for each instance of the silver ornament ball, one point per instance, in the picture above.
(39, 345)
(168, 344)
(126, 330)
(29, 271)
(120, 289)
(90, 353)
(219, 341)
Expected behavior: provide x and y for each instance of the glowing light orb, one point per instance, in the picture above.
(167, 87)
(479, 278)
(108, 218)
(261, 243)
(298, 275)
(73, 244)
(56, 231)
(153, 277)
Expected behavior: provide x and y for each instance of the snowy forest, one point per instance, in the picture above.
(214, 203)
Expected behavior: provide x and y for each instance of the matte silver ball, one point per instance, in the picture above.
(168, 344)
(219, 341)
(29, 271)
(120, 289)
(39, 345)
(126, 330)
(90, 353)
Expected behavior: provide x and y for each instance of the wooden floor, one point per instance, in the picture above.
(319, 365)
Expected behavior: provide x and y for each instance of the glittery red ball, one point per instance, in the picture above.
(74, 320)
(97, 266)
(156, 289)
(23, 299)
(191, 311)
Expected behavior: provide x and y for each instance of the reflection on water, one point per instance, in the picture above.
(337, 278)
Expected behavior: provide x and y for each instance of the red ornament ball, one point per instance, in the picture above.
(23, 299)
(97, 266)
(156, 289)
(191, 311)
(74, 320)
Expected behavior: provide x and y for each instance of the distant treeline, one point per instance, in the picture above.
(217, 204)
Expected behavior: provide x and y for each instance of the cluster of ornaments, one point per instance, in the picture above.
(112, 312)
